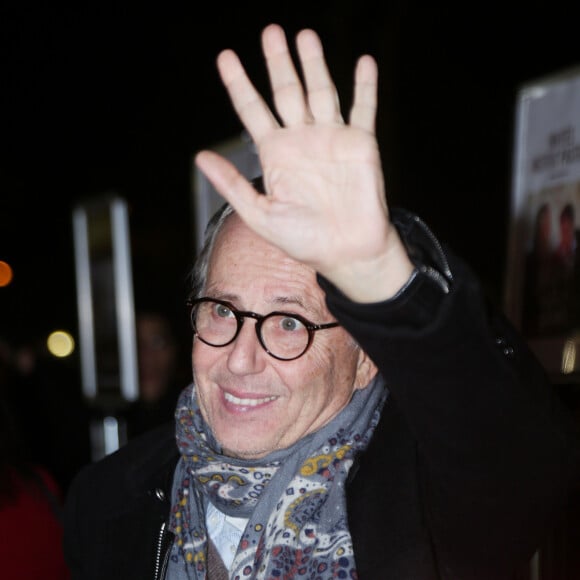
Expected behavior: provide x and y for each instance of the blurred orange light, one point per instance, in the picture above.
(5, 273)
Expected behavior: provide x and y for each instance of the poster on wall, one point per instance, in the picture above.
(542, 294)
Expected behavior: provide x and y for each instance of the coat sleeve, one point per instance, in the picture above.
(499, 450)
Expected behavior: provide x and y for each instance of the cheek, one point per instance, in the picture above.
(201, 364)
(202, 355)
(202, 361)
(335, 364)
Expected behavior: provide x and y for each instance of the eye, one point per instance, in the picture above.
(223, 311)
(290, 324)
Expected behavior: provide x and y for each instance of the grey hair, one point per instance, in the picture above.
(198, 275)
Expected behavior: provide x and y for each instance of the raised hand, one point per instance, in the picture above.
(325, 204)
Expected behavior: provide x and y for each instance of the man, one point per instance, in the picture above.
(356, 410)
(565, 252)
(565, 281)
(161, 373)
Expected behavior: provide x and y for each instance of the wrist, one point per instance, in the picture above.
(376, 279)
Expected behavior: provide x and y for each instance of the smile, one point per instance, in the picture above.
(248, 402)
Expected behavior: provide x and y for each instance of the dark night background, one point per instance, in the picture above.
(99, 97)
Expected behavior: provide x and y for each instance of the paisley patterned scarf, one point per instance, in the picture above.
(294, 498)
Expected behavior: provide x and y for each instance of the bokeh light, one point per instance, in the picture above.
(5, 273)
(60, 343)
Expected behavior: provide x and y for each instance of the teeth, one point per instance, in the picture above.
(248, 402)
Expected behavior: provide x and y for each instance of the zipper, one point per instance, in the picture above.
(162, 553)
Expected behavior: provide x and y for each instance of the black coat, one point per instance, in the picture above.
(472, 461)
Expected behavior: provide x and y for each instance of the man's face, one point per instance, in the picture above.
(567, 232)
(157, 356)
(253, 402)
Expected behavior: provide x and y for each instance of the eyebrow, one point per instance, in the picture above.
(276, 301)
(291, 300)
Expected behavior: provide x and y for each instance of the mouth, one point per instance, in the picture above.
(245, 402)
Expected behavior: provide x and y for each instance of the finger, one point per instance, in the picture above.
(233, 187)
(322, 94)
(249, 105)
(364, 109)
(287, 90)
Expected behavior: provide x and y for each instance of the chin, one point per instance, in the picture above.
(234, 449)
(247, 443)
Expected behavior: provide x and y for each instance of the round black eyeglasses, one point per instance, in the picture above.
(283, 335)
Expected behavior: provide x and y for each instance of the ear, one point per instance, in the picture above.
(365, 370)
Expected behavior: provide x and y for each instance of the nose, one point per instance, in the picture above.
(246, 355)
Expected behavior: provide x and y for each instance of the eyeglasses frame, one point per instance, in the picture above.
(241, 316)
